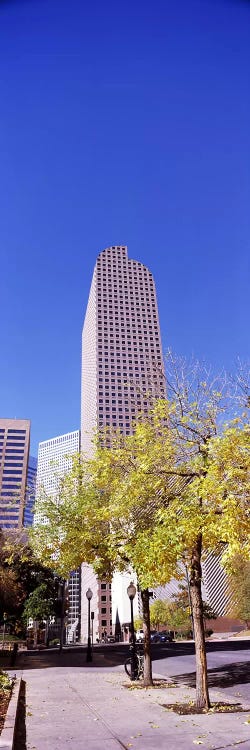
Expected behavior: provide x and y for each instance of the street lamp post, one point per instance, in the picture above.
(131, 592)
(4, 624)
(92, 626)
(89, 595)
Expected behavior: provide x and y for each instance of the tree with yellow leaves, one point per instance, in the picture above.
(72, 525)
(165, 496)
(179, 488)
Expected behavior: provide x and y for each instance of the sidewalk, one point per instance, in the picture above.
(88, 708)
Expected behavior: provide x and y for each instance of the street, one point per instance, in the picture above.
(228, 664)
(228, 670)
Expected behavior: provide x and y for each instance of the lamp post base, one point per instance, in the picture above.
(89, 651)
(133, 663)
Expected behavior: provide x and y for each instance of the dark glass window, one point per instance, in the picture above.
(7, 466)
(13, 490)
(15, 444)
(11, 471)
(17, 431)
(20, 438)
(10, 450)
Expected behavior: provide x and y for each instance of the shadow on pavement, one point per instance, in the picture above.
(219, 677)
(20, 731)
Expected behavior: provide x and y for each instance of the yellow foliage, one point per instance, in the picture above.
(144, 500)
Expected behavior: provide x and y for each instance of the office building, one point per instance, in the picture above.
(14, 452)
(54, 461)
(121, 345)
(30, 491)
(122, 370)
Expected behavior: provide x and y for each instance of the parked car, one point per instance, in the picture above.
(110, 639)
(155, 636)
(164, 636)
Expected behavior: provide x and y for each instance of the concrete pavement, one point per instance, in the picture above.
(90, 708)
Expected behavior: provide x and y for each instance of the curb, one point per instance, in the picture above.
(8, 733)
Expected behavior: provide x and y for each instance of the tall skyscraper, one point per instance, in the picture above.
(122, 369)
(30, 491)
(54, 461)
(14, 452)
(121, 345)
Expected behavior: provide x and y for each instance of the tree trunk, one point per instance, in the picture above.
(147, 644)
(202, 694)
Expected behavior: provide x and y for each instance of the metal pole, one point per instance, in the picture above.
(89, 650)
(62, 616)
(92, 628)
(133, 662)
(3, 638)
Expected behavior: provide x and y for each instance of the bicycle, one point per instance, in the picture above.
(138, 658)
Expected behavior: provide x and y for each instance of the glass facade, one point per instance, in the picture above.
(30, 492)
(14, 451)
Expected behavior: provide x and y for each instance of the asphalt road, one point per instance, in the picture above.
(228, 669)
(228, 663)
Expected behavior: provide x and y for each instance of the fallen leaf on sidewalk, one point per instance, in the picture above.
(197, 742)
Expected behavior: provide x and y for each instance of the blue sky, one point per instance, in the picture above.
(119, 123)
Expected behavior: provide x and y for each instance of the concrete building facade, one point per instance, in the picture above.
(122, 370)
(14, 453)
(121, 345)
(53, 461)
